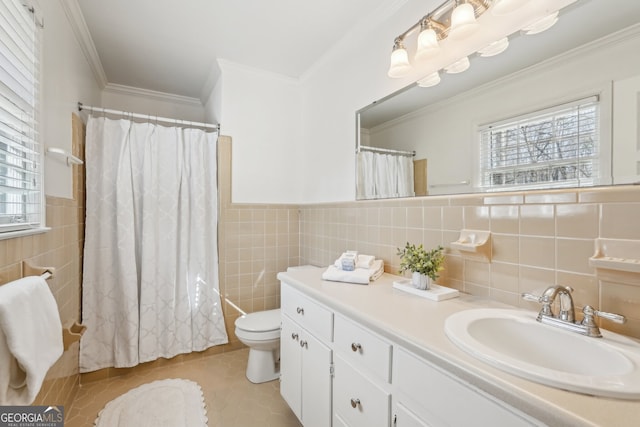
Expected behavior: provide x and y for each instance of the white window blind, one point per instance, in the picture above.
(21, 199)
(556, 147)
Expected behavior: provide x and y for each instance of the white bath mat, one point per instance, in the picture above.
(163, 403)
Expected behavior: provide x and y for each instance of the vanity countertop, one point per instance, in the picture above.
(418, 325)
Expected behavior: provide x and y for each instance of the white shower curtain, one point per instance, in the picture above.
(384, 175)
(150, 285)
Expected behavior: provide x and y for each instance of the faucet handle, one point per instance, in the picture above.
(531, 297)
(542, 299)
(589, 312)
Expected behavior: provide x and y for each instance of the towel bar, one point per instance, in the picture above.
(29, 269)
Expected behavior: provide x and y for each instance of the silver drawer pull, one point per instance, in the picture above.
(355, 346)
(294, 336)
(355, 403)
(300, 310)
(303, 344)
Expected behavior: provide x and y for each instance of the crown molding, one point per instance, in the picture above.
(81, 31)
(151, 94)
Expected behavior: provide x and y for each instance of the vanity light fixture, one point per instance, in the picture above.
(541, 24)
(449, 34)
(463, 21)
(400, 65)
(459, 66)
(494, 48)
(505, 7)
(430, 80)
(428, 40)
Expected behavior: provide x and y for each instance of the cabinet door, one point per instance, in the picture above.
(291, 366)
(316, 382)
(436, 396)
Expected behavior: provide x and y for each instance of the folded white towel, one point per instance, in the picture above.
(360, 276)
(30, 338)
(376, 270)
(363, 261)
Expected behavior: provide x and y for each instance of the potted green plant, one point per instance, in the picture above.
(425, 265)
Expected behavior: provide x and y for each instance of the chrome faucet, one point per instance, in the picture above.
(566, 315)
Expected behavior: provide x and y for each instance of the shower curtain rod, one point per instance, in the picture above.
(81, 107)
(388, 151)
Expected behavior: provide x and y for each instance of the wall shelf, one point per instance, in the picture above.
(474, 242)
(617, 254)
(69, 158)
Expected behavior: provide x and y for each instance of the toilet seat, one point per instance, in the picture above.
(262, 325)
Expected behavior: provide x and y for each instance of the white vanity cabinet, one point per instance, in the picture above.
(306, 358)
(377, 381)
(425, 395)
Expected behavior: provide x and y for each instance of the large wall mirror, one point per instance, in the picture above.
(575, 87)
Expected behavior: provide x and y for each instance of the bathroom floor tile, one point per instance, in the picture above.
(232, 401)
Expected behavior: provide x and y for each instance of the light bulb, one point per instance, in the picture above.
(463, 22)
(495, 48)
(400, 65)
(541, 24)
(428, 45)
(430, 80)
(504, 7)
(459, 66)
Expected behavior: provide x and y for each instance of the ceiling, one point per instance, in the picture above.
(171, 46)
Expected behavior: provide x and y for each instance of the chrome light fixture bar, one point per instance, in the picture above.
(458, 29)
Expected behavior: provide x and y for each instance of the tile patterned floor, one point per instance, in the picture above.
(232, 401)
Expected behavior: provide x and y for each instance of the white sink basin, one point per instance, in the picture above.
(512, 340)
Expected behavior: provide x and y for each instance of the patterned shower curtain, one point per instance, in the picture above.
(150, 286)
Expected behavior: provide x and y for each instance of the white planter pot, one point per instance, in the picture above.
(420, 281)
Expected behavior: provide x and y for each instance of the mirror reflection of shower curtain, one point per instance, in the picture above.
(384, 175)
(150, 285)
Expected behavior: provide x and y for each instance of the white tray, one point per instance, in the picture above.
(434, 293)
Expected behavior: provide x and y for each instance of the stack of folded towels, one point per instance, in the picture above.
(352, 267)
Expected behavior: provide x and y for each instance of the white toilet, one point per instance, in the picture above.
(260, 331)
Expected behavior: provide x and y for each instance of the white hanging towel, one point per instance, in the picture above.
(30, 338)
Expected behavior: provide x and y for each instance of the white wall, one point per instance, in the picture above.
(294, 141)
(125, 98)
(213, 106)
(350, 77)
(261, 112)
(446, 133)
(66, 79)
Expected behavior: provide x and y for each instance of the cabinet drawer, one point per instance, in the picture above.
(436, 397)
(403, 417)
(312, 316)
(362, 348)
(356, 400)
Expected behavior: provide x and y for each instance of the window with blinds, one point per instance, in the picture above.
(21, 198)
(556, 147)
